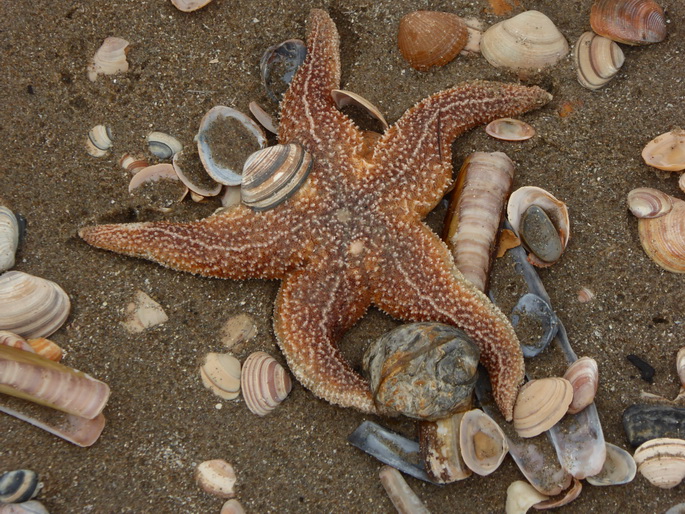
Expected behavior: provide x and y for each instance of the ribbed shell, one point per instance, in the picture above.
(264, 382)
(431, 38)
(597, 60)
(662, 461)
(9, 238)
(663, 238)
(541, 404)
(109, 59)
(667, 151)
(221, 373)
(646, 202)
(633, 22)
(584, 377)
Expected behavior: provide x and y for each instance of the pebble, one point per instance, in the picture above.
(643, 422)
(540, 235)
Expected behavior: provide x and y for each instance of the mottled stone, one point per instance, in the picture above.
(540, 235)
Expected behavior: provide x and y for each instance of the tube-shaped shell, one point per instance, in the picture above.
(646, 202)
(216, 477)
(264, 382)
(619, 468)
(109, 59)
(529, 41)
(541, 404)
(663, 238)
(37, 379)
(401, 495)
(9, 238)
(584, 377)
(667, 151)
(482, 442)
(19, 486)
(274, 174)
(597, 60)
(662, 461)
(633, 22)
(431, 38)
(31, 306)
(221, 373)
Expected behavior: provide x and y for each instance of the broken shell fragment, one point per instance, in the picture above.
(279, 64)
(344, 98)
(216, 477)
(99, 141)
(571, 494)
(15, 341)
(163, 145)
(237, 330)
(597, 60)
(541, 404)
(133, 164)
(439, 449)
(401, 495)
(663, 238)
(142, 313)
(189, 5)
(221, 373)
(509, 129)
(190, 171)
(431, 38)
(9, 238)
(584, 377)
(109, 59)
(521, 496)
(19, 486)
(482, 442)
(646, 202)
(263, 117)
(46, 348)
(667, 151)
(662, 461)
(619, 468)
(265, 383)
(633, 22)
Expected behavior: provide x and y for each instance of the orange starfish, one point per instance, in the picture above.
(352, 236)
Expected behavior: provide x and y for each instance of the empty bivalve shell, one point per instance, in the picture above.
(431, 38)
(541, 404)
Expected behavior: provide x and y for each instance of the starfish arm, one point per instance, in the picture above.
(418, 281)
(316, 305)
(237, 243)
(413, 160)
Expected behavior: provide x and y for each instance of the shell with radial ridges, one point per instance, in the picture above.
(633, 22)
(264, 382)
(431, 38)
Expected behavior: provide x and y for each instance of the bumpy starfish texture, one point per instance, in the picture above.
(352, 236)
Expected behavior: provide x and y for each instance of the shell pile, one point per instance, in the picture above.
(264, 382)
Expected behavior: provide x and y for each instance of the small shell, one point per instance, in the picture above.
(274, 174)
(279, 64)
(585, 295)
(529, 41)
(19, 486)
(152, 174)
(663, 238)
(46, 348)
(645, 202)
(568, 496)
(662, 461)
(163, 145)
(401, 495)
(264, 382)
(680, 365)
(221, 373)
(584, 377)
(9, 238)
(237, 330)
(541, 404)
(681, 182)
(232, 507)
(509, 129)
(521, 496)
(190, 170)
(133, 164)
(482, 442)
(31, 306)
(263, 117)
(158, 186)
(619, 468)
(633, 22)
(230, 196)
(667, 151)
(431, 38)
(597, 60)
(216, 477)
(29, 507)
(343, 98)
(15, 341)
(189, 5)
(99, 141)
(109, 59)
(143, 313)
(225, 139)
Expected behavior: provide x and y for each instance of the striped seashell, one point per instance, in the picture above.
(597, 60)
(667, 151)
(190, 170)
(99, 141)
(15, 341)
(663, 238)
(9, 238)
(431, 38)
(216, 477)
(274, 174)
(19, 486)
(46, 348)
(162, 145)
(221, 374)
(646, 202)
(541, 404)
(584, 377)
(133, 164)
(109, 59)
(633, 22)
(31, 306)
(264, 382)
(662, 461)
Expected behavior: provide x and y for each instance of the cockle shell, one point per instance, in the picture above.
(509, 129)
(619, 468)
(99, 141)
(279, 64)
(343, 98)
(264, 382)
(633, 22)
(541, 404)
(482, 442)
(19, 486)
(646, 202)
(189, 5)
(216, 477)
(662, 461)
(401, 495)
(584, 377)
(667, 151)
(9, 238)
(274, 174)
(221, 373)
(431, 38)
(663, 238)
(162, 145)
(597, 60)
(109, 59)
(31, 306)
(529, 41)
(15, 341)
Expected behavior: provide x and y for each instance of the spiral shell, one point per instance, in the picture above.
(431, 38)
(221, 374)
(662, 461)
(667, 151)
(663, 238)
(541, 404)
(264, 382)
(633, 22)
(19, 486)
(9, 238)
(646, 202)
(109, 59)
(482, 442)
(597, 60)
(584, 377)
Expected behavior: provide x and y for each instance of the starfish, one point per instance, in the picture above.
(352, 236)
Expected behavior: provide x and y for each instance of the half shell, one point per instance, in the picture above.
(541, 404)
(15, 341)
(221, 373)
(633, 22)
(431, 38)
(619, 468)
(662, 461)
(509, 129)
(264, 382)
(216, 477)
(109, 59)
(646, 202)
(597, 60)
(19, 486)
(99, 141)
(584, 377)
(483, 444)
(162, 145)
(279, 64)
(9, 238)
(343, 98)
(521, 496)
(189, 5)
(401, 495)
(667, 151)
(663, 238)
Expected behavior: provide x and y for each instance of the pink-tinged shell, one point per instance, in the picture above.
(401, 495)
(9, 238)
(46, 348)
(152, 174)
(216, 477)
(584, 377)
(109, 59)
(15, 341)
(646, 202)
(133, 164)
(189, 5)
(509, 129)
(232, 507)
(680, 365)
(662, 461)
(541, 404)
(263, 117)
(482, 442)
(192, 173)
(431, 38)
(667, 151)
(633, 22)
(221, 374)
(585, 295)
(663, 238)
(569, 495)
(265, 383)
(597, 59)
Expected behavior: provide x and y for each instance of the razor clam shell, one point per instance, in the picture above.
(663, 238)
(439, 448)
(9, 238)
(401, 495)
(109, 59)
(646, 202)
(597, 59)
(31, 306)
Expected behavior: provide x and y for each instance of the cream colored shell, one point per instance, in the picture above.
(9, 238)
(667, 151)
(482, 442)
(541, 404)
(109, 59)
(220, 373)
(662, 461)
(216, 477)
(584, 377)
(619, 468)
(597, 60)
(646, 202)
(663, 238)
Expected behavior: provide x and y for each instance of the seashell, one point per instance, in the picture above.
(9, 238)
(676, 509)
(534, 227)
(163, 145)
(521, 496)
(662, 461)
(37, 379)
(619, 468)
(237, 330)
(597, 60)
(190, 171)
(159, 186)
(19, 486)
(509, 129)
(439, 449)
(535, 320)
(571, 494)
(643, 422)
(422, 370)
(274, 174)
(667, 151)
(15, 341)
(482, 442)
(529, 41)
(189, 5)
(109, 59)
(633, 22)
(680, 365)
(225, 139)
(585, 295)
(216, 477)
(99, 141)
(681, 182)
(663, 238)
(264, 382)
(431, 38)
(475, 212)
(46, 348)
(232, 507)
(31, 306)
(541, 404)
(143, 313)
(133, 164)
(344, 98)
(221, 373)
(231, 196)
(584, 377)
(646, 202)
(401, 495)
(278, 66)
(29, 507)
(264, 118)
(152, 174)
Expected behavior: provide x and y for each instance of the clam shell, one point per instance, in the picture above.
(279, 64)
(541, 404)
(597, 60)
(569, 495)
(343, 98)
(193, 174)
(132, 163)
(646, 202)
(681, 182)
(274, 174)
(9, 238)
(680, 365)
(189, 5)
(29, 507)
(19, 486)
(431, 38)
(109, 59)
(163, 145)
(619, 468)
(663, 238)
(263, 117)
(225, 139)
(584, 377)
(521, 496)
(401, 495)
(31, 306)
(509, 129)
(237, 330)
(221, 373)
(633, 22)
(46, 348)
(152, 174)
(482, 442)
(216, 477)
(585, 295)
(15, 341)
(529, 41)
(662, 461)
(232, 507)
(667, 151)
(143, 313)
(264, 382)
(439, 449)
(99, 141)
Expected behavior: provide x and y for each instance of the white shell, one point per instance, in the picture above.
(99, 141)
(482, 442)
(221, 374)
(189, 5)
(521, 496)
(152, 174)
(31, 306)
(163, 145)
(9, 238)
(264, 382)
(342, 98)
(667, 151)
(263, 117)
(109, 59)
(29, 507)
(597, 60)
(401, 495)
(646, 202)
(680, 365)
(216, 477)
(232, 507)
(584, 377)
(142, 313)
(662, 461)
(681, 182)
(619, 468)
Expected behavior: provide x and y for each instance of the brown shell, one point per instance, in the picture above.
(431, 38)
(663, 238)
(633, 22)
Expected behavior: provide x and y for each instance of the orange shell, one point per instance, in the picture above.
(663, 238)
(46, 348)
(633, 22)
(431, 38)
